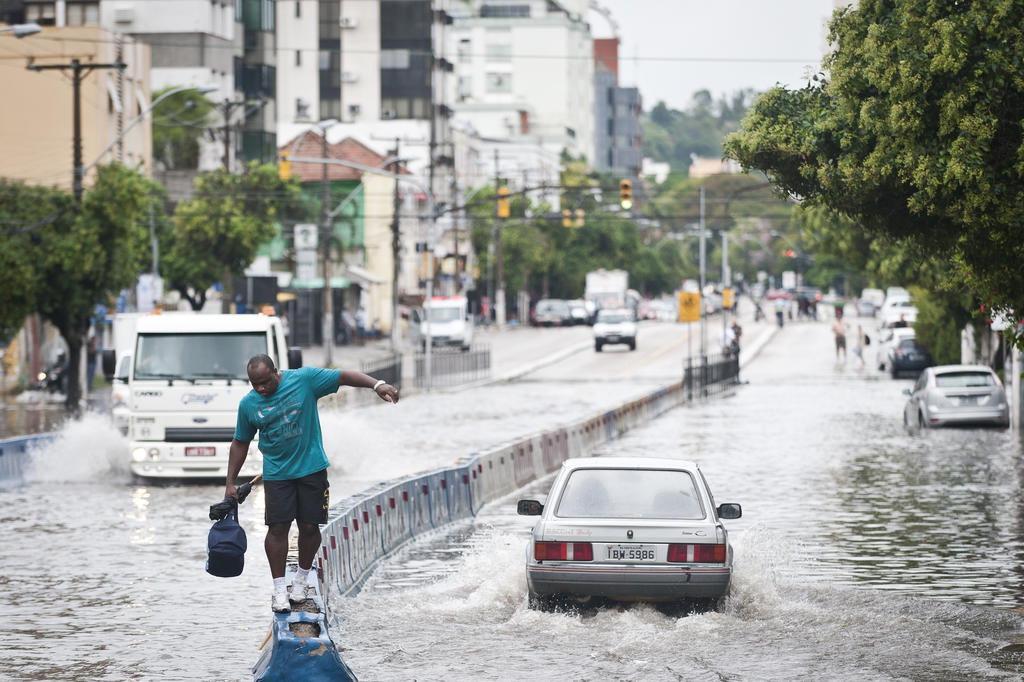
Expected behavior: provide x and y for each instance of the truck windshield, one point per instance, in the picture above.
(444, 314)
(196, 356)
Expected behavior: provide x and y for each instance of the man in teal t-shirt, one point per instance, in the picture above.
(282, 408)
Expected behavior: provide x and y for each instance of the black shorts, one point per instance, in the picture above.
(303, 499)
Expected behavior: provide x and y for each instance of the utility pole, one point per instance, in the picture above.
(325, 243)
(396, 248)
(78, 73)
(499, 258)
(227, 109)
(703, 259)
(725, 282)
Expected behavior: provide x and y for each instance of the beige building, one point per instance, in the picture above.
(36, 118)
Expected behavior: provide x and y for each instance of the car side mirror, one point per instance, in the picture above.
(294, 358)
(907, 391)
(730, 510)
(109, 359)
(529, 508)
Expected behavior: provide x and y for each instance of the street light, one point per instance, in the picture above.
(203, 90)
(22, 30)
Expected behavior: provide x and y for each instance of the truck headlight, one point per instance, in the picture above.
(138, 454)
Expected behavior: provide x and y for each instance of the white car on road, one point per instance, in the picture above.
(888, 341)
(614, 327)
(628, 529)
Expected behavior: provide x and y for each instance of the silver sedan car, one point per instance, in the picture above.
(956, 395)
(628, 529)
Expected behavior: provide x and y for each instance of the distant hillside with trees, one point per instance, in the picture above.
(672, 135)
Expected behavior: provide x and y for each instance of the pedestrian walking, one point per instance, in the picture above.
(780, 311)
(839, 330)
(282, 407)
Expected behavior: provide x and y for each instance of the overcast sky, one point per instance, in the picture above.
(714, 29)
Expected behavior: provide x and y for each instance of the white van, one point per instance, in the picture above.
(448, 322)
(185, 376)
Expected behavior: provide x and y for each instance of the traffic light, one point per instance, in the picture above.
(566, 218)
(504, 205)
(284, 166)
(626, 194)
(581, 218)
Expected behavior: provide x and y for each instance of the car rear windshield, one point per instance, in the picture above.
(964, 380)
(909, 344)
(630, 494)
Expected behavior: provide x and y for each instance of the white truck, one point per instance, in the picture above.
(448, 322)
(607, 288)
(185, 376)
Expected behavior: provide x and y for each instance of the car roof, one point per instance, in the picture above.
(628, 463)
(947, 369)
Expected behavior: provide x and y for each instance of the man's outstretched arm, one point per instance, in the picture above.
(359, 380)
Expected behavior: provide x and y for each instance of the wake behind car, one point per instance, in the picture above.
(957, 395)
(614, 327)
(628, 529)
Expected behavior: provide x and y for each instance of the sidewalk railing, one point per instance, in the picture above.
(451, 367)
(709, 374)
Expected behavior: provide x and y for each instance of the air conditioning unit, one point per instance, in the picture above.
(124, 15)
(349, 77)
(354, 109)
(388, 114)
(348, 22)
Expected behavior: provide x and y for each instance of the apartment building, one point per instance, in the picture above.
(618, 137)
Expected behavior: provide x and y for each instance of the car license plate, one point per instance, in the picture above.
(200, 451)
(966, 400)
(613, 337)
(632, 553)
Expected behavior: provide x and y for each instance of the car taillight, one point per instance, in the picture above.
(563, 551)
(697, 554)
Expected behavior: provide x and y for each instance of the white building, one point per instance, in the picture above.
(525, 72)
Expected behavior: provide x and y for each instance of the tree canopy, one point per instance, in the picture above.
(218, 231)
(915, 132)
(178, 123)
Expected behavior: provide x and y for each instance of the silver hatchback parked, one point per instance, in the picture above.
(956, 395)
(628, 529)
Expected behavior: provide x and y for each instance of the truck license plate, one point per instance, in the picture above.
(200, 451)
(634, 553)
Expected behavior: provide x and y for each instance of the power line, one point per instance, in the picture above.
(429, 53)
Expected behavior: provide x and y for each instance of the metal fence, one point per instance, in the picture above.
(451, 366)
(389, 369)
(710, 374)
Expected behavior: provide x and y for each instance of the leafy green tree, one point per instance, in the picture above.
(24, 212)
(914, 133)
(178, 123)
(88, 255)
(217, 232)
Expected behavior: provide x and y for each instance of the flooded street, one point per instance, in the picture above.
(104, 577)
(864, 552)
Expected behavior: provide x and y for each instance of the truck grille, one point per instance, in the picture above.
(189, 434)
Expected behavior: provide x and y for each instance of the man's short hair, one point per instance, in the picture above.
(261, 359)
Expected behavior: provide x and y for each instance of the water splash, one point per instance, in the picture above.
(86, 449)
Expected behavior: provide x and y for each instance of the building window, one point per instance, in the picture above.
(465, 88)
(301, 109)
(500, 52)
(42, 13)
(465, 51)
(325, 60)
(394, 59)
(505, 11)
(498, 83)
(83, 14)
(298, 9)
(330, 108)
(298, 57)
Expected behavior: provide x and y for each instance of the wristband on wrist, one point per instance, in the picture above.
(380, 382)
